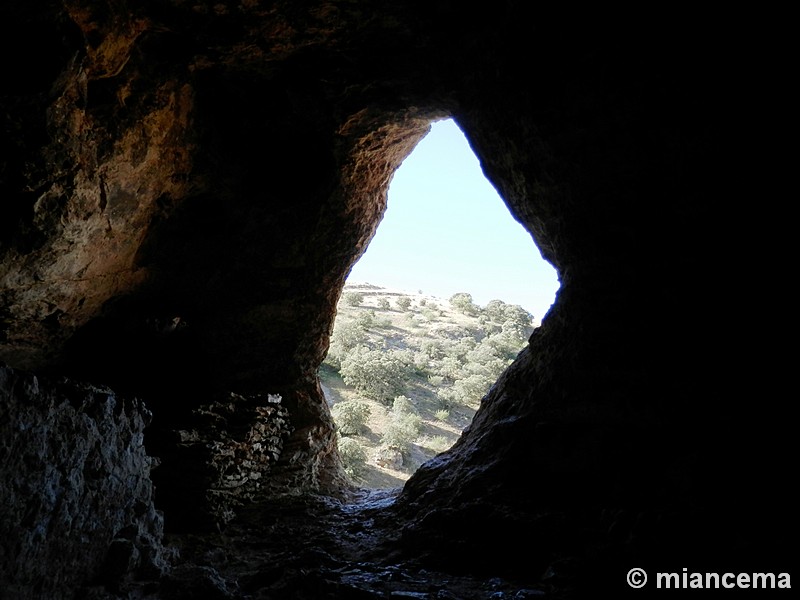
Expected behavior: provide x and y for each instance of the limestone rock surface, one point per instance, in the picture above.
(75, 482)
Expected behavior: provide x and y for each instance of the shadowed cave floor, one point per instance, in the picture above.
(315, 547)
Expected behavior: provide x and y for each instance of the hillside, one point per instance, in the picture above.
(407, 371)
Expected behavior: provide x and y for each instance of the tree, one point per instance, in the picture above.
(462, 302)
(508, 342)
(520, 316)
(346, 336)
(351, 416)
(378, 374)
(495, 310)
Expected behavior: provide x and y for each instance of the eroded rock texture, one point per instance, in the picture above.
(223, 461)
(75, 482)
(185, 186)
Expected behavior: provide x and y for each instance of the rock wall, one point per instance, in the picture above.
(77, 499)
(221, 461)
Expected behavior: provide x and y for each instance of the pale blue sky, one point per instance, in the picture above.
(446, 230)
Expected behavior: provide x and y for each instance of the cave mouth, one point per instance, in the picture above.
(445, 297)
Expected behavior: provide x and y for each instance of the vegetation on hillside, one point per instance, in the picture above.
(405, 373)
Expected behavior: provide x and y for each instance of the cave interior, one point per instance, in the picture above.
(185, 186)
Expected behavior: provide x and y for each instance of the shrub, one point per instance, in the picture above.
(383, 304)
(436, 380)
(467, 390)
(407, 359)
(365, 319)
(442, 415)
(448, 368)
(418, 321)
(381, 323)
(462, 347)
(507, 342)
(420, 362)
(445, 398)
(354, 458)
(430, 314)
(389, 457)
(432, 349)
(403, 430)
(402, 405)
(403, 303)
(351, 416)
(488, 358)
(437, 443)
(353, 298)
(404, 426)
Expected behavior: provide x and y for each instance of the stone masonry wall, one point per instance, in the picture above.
(220, 460)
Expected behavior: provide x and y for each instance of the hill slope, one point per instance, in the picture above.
(439, 357)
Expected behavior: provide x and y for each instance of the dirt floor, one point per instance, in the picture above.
(315, 547)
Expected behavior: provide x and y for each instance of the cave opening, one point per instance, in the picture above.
(445, 297)
(227, 163)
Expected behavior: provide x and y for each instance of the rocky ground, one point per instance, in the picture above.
(315, 548)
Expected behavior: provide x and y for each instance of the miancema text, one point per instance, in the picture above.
(723, 580)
